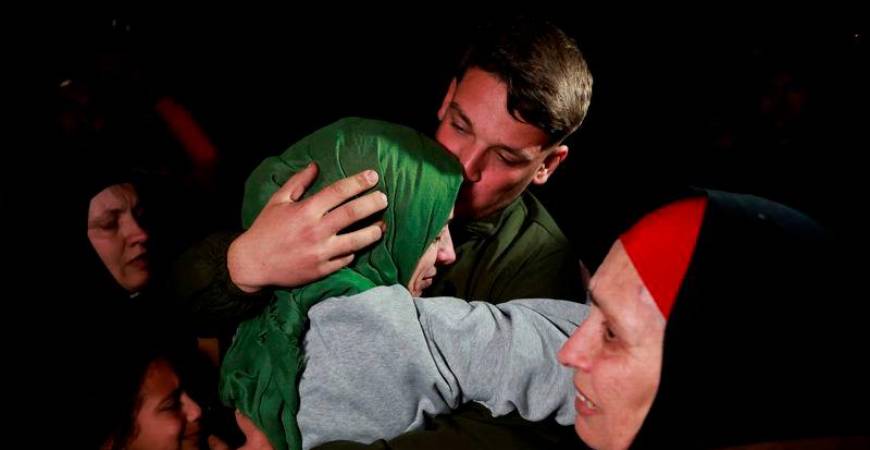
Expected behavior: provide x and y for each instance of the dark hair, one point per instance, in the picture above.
(548, 81)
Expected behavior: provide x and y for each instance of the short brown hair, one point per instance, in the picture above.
(548, 81)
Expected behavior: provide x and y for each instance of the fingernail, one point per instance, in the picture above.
(372, 176)
(386, 200)
(383, 226)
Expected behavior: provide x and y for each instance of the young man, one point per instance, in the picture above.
(520, 90)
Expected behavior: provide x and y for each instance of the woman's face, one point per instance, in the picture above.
(115, 233)
(439, 253)
(616, 354)
(167, 417)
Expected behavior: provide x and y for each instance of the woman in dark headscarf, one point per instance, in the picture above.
(99, 221)
(122, 351)
(718, 320)
(115, 232)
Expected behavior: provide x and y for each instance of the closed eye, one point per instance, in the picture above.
(459, 128)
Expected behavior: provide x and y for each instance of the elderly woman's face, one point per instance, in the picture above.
(439, 253)
(115, 233)
(616, 354)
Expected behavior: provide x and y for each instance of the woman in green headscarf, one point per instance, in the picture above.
(261, 370)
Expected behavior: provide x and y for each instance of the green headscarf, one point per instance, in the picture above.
(260, 372)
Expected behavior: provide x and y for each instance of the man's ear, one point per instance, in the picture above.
(551, 162)
(451, 91)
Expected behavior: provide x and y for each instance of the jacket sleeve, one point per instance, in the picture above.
(201, 283)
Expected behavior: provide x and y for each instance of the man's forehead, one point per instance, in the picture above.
(479, 88)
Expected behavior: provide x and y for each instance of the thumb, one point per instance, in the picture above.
(293, 188)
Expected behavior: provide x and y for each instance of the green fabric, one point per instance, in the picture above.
(519, 252)
(260, 372)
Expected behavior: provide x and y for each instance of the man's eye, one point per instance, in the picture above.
(508, 159)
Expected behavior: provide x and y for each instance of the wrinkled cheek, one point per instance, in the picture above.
(114, 261)
(116, 270)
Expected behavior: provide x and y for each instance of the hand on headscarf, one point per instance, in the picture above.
(295, 242)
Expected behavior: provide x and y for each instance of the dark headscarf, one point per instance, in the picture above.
(764, 341)
(83, 172)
